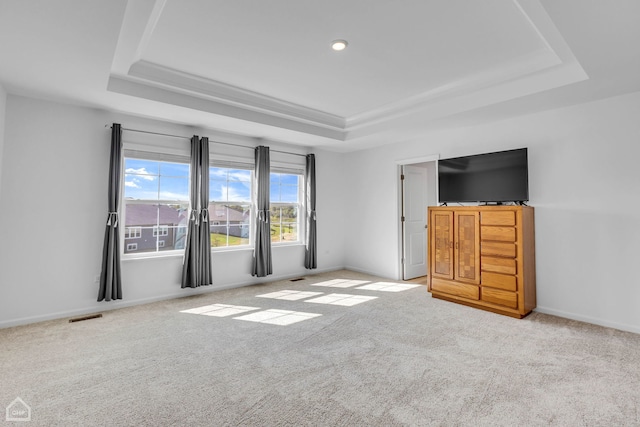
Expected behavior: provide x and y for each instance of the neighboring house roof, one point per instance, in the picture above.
(137, 215)
(219, 213)
(147, 215)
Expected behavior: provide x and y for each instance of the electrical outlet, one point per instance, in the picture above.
(96, 279)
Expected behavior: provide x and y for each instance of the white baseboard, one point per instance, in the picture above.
(588, 319)
(180, 293)
(370, 272)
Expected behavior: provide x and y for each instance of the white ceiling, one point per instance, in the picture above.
(265, 69)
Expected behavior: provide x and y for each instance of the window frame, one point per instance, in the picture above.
(237, 165)
(152, 157)
(230, 162)
(300, 205)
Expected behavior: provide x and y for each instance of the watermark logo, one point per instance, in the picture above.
(18, 411)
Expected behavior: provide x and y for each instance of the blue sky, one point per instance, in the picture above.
(148, 179)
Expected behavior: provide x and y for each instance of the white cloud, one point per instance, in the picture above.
(234, 175)
(222, 173)
(142, 173)
(241, 176)
(232, 194)
(131, 184)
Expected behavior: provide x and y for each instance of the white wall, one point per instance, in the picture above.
(584, 185)
(54, 204)
(3, 105)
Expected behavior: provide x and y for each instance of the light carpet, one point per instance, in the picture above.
(369, 356)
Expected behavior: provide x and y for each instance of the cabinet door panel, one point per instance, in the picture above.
(467, 253)
(441, 244)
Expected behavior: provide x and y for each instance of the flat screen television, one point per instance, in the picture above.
(498, 177)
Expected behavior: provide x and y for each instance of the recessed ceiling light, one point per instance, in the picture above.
(339, 45)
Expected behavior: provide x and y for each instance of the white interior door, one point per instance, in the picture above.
(414, 211)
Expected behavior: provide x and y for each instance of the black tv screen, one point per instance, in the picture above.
(492, 177)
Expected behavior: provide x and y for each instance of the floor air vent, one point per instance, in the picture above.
(297, 279)
(80, 319)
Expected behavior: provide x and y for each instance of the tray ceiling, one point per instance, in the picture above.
(266, 69)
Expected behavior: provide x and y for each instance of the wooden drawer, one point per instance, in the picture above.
(500, 281)
(454, 288)
(502, 234)
(498, 265)
(498, 218)
(497, 296)
(505, 249)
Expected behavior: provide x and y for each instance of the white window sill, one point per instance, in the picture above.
(286, 244)
(180, 254)
(152, 255)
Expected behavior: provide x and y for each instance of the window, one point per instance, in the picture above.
(285, 207)
(162, 230)
(230, 206)
(132, 232)
(156, 204)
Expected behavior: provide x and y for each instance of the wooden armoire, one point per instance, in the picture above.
(484, 257)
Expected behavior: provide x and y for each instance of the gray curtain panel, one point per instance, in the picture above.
(262, 265)
(205, 236)
(110, 276)
(196, 270)
(190, 268)
(311, 251)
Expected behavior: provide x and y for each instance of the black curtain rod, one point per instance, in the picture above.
(217, 142)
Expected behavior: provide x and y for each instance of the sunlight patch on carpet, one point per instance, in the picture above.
(220, 310)
(341, 299)
(278, 317)
(341, 283)
(387, 287)
(289, 295)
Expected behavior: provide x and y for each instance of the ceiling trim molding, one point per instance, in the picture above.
(145, 89)
(524, 66)
(232, 95)
(550, 66)
(555, 64)
(139, 22)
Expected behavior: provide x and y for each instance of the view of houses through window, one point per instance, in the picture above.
(156, 206)
(284, 193)
(156, 196)
(230, 206)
